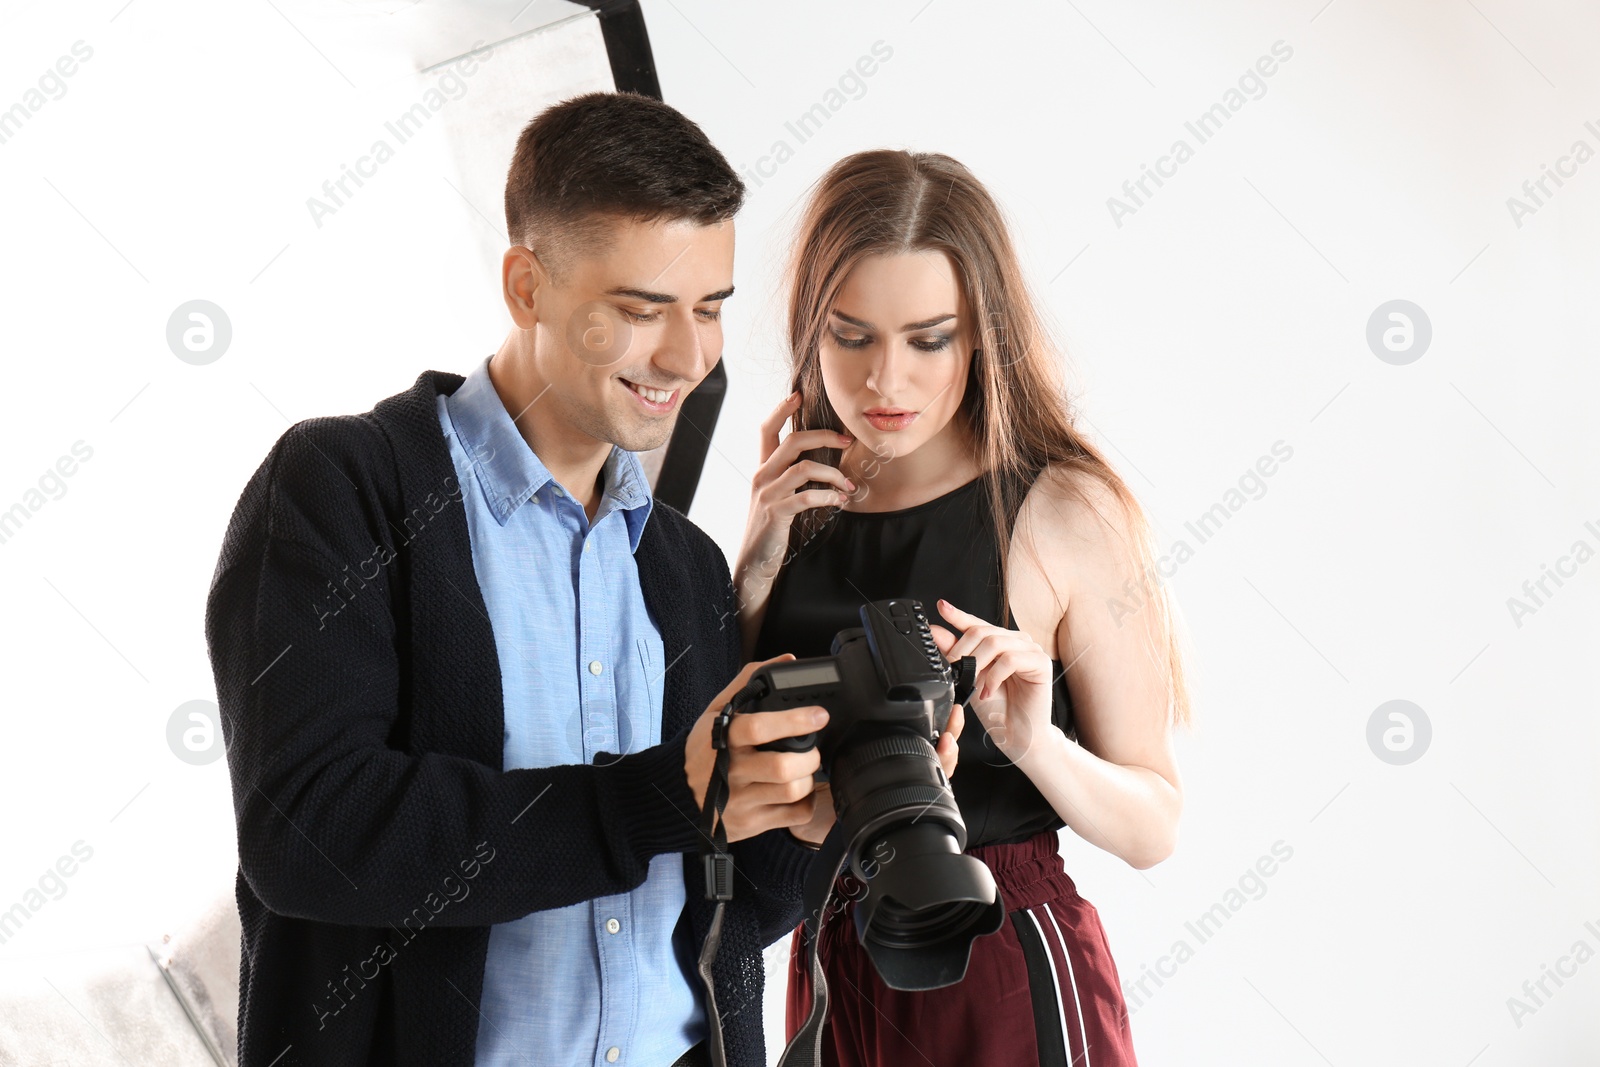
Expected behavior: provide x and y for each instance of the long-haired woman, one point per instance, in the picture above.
(930, 427)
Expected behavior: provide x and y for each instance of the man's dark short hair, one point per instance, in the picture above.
(589, 161)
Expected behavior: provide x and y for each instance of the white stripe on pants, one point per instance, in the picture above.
(1083, 1034)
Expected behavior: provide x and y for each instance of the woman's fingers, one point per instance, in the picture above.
(789, 448)
(799, 441)
(784, 499)
(958, 719)
(956, 615)
(780, 470)
(980, 639)
(947, 756)
(947, 750)
(1003, 667)
(795, 503)
(1029, 665)
(774, 423)
(999, 652)
(986, 647)
(776, 496)
(809, 470)
(973, 629)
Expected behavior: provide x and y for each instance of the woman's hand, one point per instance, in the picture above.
(775, 501)
(823, 817)
(1012, 694)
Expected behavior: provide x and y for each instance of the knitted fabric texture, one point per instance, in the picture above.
(379, 837)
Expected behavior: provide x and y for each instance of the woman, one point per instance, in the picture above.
(930, 427)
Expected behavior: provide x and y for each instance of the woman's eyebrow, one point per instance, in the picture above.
(907, 328)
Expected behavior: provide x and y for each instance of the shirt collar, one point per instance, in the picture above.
(510, 473)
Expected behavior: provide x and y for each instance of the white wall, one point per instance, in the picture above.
(1228, 313)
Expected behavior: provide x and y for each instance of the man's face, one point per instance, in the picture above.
(629, 332)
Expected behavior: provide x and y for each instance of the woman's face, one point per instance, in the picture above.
(895, 350)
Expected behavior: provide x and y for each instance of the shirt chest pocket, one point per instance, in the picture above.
(649, 683)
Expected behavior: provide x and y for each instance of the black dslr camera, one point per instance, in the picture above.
(889, 693)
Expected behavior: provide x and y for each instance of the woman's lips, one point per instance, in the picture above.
(897, 421)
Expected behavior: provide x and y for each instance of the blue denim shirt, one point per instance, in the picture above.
(604, 981)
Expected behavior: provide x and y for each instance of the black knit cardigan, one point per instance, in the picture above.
(379, 837)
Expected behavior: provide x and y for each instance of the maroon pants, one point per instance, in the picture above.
(1042, 989)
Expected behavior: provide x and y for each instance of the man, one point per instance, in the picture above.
(467, 667)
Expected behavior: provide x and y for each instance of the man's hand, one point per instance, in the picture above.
(765, 789)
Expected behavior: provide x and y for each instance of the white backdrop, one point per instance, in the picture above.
(1394, 153)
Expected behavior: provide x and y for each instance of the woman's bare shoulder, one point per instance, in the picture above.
(1069, 510)
(1072, 533)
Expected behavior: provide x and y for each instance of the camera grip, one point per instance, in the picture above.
(798, 743)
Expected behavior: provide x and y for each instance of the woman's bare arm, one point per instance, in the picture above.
(1117, 786)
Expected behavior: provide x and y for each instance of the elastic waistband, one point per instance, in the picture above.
(1045, 845)
(1028, 872)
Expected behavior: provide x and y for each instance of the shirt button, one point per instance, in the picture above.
(594, 667)
(612, 926)
(612, 1053)
(534, 498)
(586, 544)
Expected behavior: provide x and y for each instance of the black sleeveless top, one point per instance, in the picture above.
(946, 548)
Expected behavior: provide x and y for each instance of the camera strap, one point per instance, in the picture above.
(717, 859)
(806, 1048)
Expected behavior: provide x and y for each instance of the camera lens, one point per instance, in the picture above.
(926, 900)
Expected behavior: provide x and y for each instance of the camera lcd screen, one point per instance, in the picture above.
(810, 674)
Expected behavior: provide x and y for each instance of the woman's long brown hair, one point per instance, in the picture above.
(887, 202)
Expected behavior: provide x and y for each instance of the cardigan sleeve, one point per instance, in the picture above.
(335, 823)
(777, 865)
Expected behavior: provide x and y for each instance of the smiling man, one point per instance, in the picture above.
(467, 783)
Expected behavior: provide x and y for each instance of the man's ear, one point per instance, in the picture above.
(525, 284)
